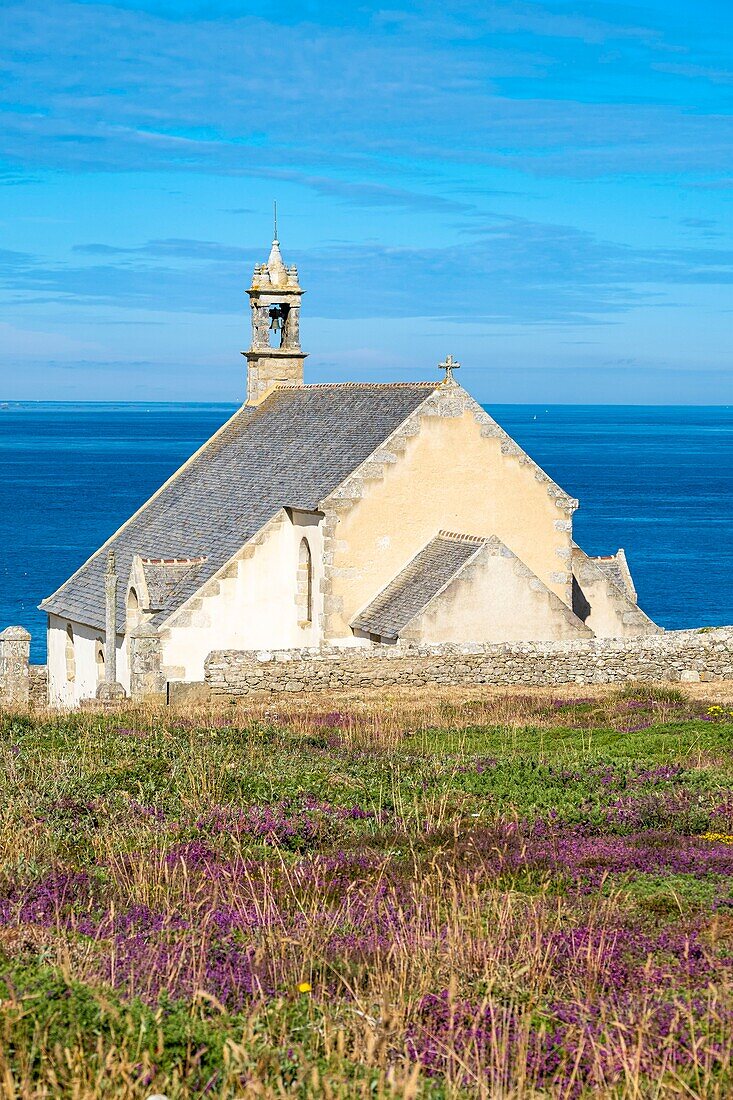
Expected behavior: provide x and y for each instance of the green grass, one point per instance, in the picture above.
(389, 857)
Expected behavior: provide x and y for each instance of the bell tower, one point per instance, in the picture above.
(274, 355)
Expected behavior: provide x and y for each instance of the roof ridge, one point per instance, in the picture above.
(367, 385)
(174, 561)
(459, 536)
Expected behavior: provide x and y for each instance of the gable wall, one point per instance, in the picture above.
(613, 614)
(450, 474)
(495, 598)
(252, 604)
(606, 619)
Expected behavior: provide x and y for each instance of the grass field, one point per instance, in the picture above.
(461, 895)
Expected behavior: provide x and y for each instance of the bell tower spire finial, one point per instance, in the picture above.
(274, 357)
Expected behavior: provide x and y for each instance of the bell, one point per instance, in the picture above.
(275, 323)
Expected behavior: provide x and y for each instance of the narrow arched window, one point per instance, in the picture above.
(133, 609)
(99, 657)
(305, 584)
(70, 654)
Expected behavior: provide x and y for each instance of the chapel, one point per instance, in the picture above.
(338, 514)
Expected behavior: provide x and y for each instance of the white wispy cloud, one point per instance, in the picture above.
(93, 86)
(510, 269)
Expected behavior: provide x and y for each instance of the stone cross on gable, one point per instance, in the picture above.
(449, 364)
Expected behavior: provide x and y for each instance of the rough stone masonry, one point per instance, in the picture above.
(682, 655)
(15, 680)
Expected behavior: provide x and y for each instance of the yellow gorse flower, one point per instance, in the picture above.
(721, 838)
(304, 987)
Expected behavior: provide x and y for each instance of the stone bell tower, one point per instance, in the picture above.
(274, 355)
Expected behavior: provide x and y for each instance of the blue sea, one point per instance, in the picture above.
(657, 481)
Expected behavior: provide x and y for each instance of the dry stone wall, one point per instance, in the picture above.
(674, 656)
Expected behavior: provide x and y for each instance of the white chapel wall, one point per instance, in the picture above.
(612, 614)
(609, 611)
(259, 605)
(65, 691)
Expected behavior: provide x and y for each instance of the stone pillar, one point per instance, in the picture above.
(260, 326)
(110, 620)
(109, 690)
(146, 676)
(15, 651)
(291, 332)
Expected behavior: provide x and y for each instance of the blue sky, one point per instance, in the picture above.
(542, 188)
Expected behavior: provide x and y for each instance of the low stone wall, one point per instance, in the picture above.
(685, 655)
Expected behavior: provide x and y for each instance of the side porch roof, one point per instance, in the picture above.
(411, 591)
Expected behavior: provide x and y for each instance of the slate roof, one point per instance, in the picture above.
(290, 451)
(413, 588)
(617, 572)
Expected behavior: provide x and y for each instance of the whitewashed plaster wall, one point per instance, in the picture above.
(65, 692)
(252, 603)
(612, 615)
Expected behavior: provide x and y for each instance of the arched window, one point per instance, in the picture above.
(305, 584)
(70, 655)
(133, 609)
(99, 657)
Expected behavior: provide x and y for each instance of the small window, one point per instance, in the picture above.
(70, 655)
(99, 657)
(133, 609)
(305, 585)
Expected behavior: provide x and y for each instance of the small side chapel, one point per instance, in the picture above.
(345, 514)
